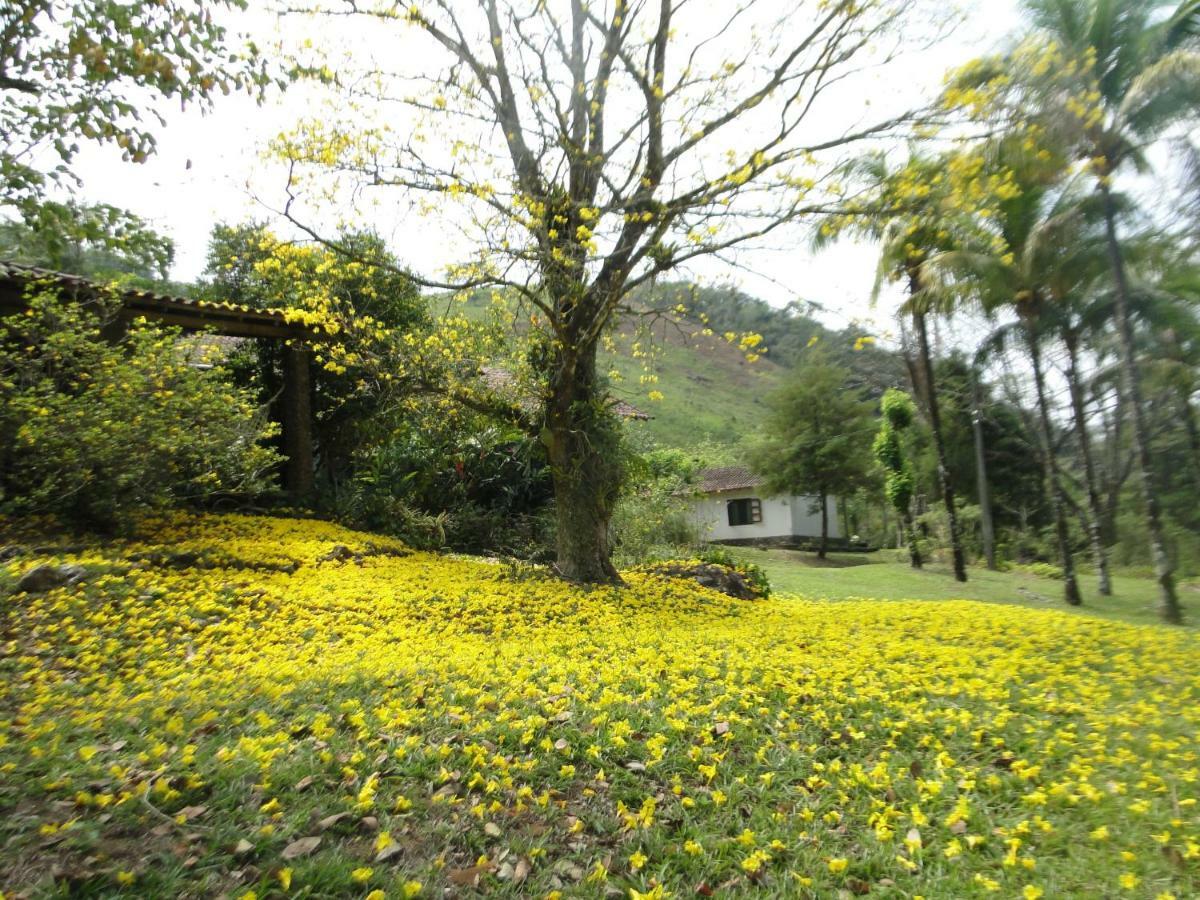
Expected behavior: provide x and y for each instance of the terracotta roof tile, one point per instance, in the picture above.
(729, 478)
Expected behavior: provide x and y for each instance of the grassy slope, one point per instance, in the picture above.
(178, 725)
(883, 576)
(709, 390)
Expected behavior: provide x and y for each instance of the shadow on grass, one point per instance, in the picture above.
(833, 561)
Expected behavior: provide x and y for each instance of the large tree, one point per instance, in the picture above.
(595, 146)
(1110, 77)
(816, 437)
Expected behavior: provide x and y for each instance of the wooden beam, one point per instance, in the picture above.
(297, 421)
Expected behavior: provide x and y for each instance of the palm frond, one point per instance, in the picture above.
(1162, 93)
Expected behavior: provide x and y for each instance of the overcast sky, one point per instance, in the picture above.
(210, 168)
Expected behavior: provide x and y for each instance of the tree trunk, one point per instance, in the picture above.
(1168, 600)
(981, 476)
(297, 422)
(935, 424)
(1070, 584)
(582, 441)
(910, 532)
(1099, 553)
(824, 526)
(1193, 431)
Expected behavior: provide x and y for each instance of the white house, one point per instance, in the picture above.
(731, 508)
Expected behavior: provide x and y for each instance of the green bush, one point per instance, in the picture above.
(440, 480)
(653, 518)
(95, 430)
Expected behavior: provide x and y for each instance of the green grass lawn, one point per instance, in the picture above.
(883, 575)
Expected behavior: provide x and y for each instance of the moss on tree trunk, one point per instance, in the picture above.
(583, 444)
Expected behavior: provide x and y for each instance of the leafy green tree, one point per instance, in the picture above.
(94, 240)
(360, 382)
(814, 437)
(897, 412)
(76, 71)
(1109, 78)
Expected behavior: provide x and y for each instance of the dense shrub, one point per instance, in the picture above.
(442, 480)
(653, 518)
(93, 430)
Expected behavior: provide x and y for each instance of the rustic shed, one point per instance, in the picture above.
(16, 282)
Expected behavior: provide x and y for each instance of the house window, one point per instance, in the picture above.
(747, 511)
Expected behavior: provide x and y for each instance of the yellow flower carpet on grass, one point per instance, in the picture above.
(258, 707)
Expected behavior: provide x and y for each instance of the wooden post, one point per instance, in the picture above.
(297, 421)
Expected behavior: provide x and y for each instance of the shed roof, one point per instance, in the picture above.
(728, 478)
(192, 315)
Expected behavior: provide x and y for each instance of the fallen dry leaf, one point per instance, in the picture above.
(468, 877)
(329, 821)
(301, 847)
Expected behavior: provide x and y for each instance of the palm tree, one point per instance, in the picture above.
(908, 210)
(1033, 257)
(1135, 73)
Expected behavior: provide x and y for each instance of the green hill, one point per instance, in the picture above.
(709, 390)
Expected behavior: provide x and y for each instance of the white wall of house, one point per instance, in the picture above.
(782, 517)
(806, 517)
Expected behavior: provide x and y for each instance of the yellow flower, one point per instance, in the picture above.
(383, 841)
(1129, 881)
(285, 878)
(837, 866)
(1031, 892)
(362, 874)
(637, 860)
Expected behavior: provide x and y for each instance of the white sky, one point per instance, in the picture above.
(210, 169)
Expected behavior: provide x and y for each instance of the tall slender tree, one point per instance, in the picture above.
(1030, 257)
(910, 210)
(1110, 77)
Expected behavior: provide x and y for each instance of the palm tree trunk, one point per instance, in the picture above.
(824, 526)
(1168, 600)
(1070, 584)
(1193, 432)
(935, 424)
(1099, 553)
(981, 476)
(910, 532)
